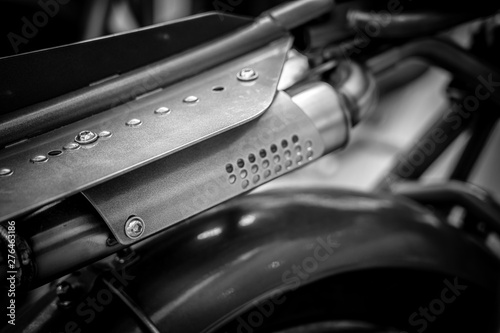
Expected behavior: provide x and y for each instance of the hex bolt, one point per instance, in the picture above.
(86, 137)
(134, 227)
(247, 74)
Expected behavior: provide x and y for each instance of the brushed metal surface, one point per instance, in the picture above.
(34, 185)
(211, 172)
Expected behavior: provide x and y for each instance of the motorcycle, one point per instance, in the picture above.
(126, 161)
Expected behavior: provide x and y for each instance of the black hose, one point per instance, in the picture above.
(465, 67)
(404, 25)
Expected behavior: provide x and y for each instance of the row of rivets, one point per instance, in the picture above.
(87, 137)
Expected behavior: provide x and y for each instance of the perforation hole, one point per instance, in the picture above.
(55, 153)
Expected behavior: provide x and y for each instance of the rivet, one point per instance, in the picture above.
(39, 159)
(6, 172)
(105, 134)
(134, 123)
(72, 146)
(247, 74)
(134, 227)
(162, 111)
(191, 99)
(86, 137)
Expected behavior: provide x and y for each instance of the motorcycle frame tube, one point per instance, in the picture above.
(65, 237)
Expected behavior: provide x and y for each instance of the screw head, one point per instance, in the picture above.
(39, 159)
(86, 137)
(65, 293)
(191, 100)
(134, 123)
(247, 74)
(134, 227)
(162, 111)
(6, 172)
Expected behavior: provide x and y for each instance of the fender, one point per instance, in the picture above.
(203, 273)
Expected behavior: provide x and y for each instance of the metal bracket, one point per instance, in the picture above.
(140, 132)
(209, 173)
